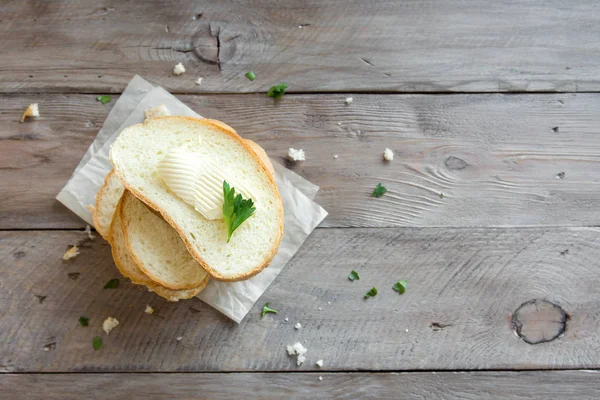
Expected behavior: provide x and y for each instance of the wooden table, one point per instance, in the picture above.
(492, 213)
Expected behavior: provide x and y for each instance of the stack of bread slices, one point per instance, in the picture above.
(160, 241)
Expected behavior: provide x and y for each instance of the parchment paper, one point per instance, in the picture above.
(302, 215)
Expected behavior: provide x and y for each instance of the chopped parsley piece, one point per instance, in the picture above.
(266, 310)
(250, 75)
(104, 99)
(112, 284)
(400, 286)
(236, 209)
(353, 276)
(379, 190)
(371, 293)
(277, 91)
(84, 321)
(97, 342)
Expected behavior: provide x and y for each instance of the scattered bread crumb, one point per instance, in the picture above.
(109, 324)
(407, 330)
(32, 111)
(296, 154)
(149, 310)
(320, 363)
(199, 81)
(159, 111)
(298, 325)
(320, 378)
(299, 350)
(286, 319)
(179, 338)
(179, 69)
(349, 100)
(388, 155)
(329, 302)
(335, 156)
(320, 308)
(88, 231)
(91, 208)
(71, 253)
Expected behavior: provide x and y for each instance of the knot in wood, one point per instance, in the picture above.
(539, 321)
(455, 163)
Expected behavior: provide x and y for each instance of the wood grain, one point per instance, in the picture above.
(314, 46)
(274, 386)
(461, 160)
(464, 286)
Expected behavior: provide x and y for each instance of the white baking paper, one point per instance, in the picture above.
(302, 215)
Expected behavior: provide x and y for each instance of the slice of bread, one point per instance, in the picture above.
(129, 269)
(156, 248)
(135, 155)
(107, 199)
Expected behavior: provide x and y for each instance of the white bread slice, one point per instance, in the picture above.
(156, 248)
(107, 199)
(135, 155)
(129, 269)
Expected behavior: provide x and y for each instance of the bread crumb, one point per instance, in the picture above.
(88, 231)
(179, 69)
(406, 330)
(158, 111)
(109, 324)
(335, 156)
(179, 338)
(298, 325)
(296, 154)
(388, 155)
(329, 302)
(199, 81)
(286, 319)
(320, 378)
(149, 310)
(31, 111)
(299, 350)
(349, 100)
(320, 363)
(320, 308)
(91, 208)
(71, 253)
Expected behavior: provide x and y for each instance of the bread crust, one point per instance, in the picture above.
(225, 129)
(166, 293)
(99, 195)
(125, 222)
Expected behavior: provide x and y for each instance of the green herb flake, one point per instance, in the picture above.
(250, 75)
(104, 99)
(84, 321)
(353, 276)
(277, 91)
(441, 195)
(97, 342)
(266, 310)
(379, 190)
(236, 209)
(400, 286)
(112, 284)
(371, 293)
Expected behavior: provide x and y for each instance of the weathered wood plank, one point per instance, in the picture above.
(537, 385)
(496, 159)
(464, 287)
(315, 46)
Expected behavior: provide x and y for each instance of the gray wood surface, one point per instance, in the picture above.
(314, 46)
(581, 385)
(496, 159)
(464, 287)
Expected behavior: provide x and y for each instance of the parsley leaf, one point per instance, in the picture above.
(353, 276)
(400, 286)
(112, 284)
(250, 75)
(277, 91)
(84, 321)
(266, 310)
(236, 209)
(104, 99)
(97, 342)
(371, 293)
(379, 190)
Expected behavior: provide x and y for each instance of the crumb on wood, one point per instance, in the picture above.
(31, 111)
(298, 325)
(149, 310)
(178, 69)
(88, 231)
(296, 154)
(71, 253)
(109, 324)
(199, 81)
